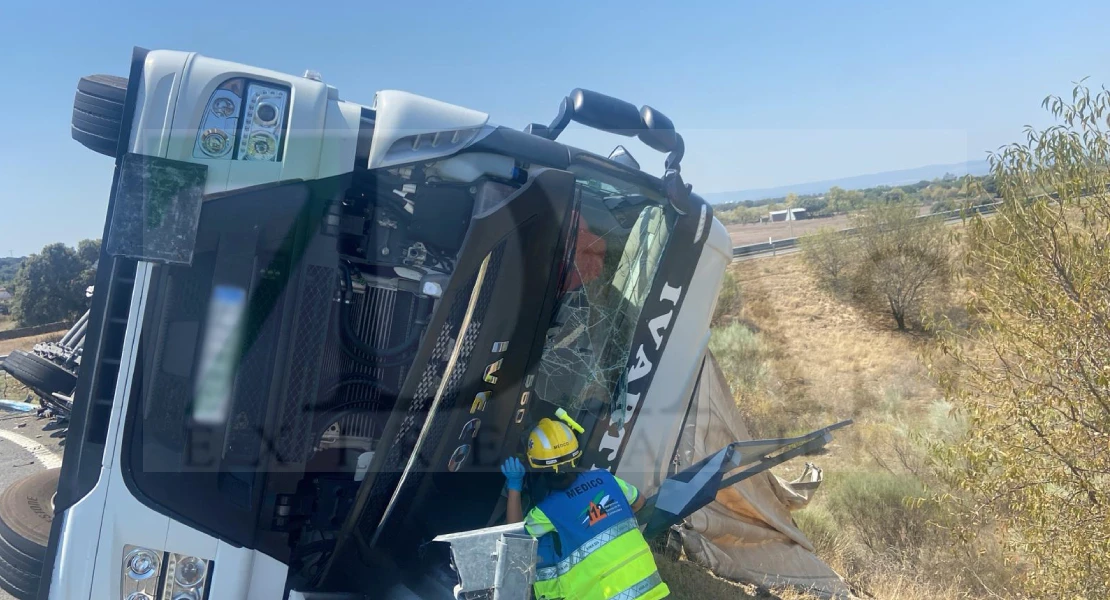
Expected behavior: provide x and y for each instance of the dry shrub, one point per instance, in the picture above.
(799, 357)
(891, 515)
(894, 262)
(831, 255)
(740, 354)
(887, 536)
(728, 300)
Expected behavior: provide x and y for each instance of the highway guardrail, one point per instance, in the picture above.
(772, 246)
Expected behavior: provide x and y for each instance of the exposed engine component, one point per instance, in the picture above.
(397, 245)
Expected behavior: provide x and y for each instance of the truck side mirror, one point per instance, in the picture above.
(603, 112)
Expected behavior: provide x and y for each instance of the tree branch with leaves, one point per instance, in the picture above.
(1033, 378)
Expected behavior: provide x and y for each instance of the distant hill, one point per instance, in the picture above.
(891, 178)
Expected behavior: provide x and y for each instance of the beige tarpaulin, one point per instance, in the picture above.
(747, 533)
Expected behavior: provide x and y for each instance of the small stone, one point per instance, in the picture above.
(21, 425)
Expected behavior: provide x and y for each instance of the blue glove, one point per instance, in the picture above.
(513, 470)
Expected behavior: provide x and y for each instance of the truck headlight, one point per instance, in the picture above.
(220, 123)
(149, 574)
(141, 568)
(243, 120)
(190, 571)
(140, 564)
(186, 577)
(263, 122)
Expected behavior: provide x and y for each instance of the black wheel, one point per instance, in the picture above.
(39, 374)
(26, 513)
(98, 112)
(109, 87)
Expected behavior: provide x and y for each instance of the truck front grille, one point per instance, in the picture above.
(306, 353)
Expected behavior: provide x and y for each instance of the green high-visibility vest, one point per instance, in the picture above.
(605, 555)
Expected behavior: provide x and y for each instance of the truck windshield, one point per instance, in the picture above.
(621, 232)
(256, 358)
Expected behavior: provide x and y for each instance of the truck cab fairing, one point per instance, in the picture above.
(338, 265)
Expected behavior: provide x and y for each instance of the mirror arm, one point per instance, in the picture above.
(675, 157)
(566, 115)
(561, 120)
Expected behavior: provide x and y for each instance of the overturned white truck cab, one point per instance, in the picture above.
(320, 326)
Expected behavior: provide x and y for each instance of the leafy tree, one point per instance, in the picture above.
(990, 186)
(50, 286)
(813, 204)
(944, 206)
(895, 195)
(9, 266)
(1033, 380)
(837, 200)
(831, 256)
(902, 258)
(854, 199)
(791, 200)
(938, 193)
(914, 188)
(88, 251)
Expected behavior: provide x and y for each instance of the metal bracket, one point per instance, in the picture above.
(696, 486)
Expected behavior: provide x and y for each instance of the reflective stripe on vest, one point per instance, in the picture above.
(614, 568)
(593, 545)
(644, 586)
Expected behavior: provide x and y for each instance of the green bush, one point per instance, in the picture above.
(822, 530)
(728, 300)
(740, 355)
(944, 206)
(891, 515)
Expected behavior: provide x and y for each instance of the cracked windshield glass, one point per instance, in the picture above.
(618, 240)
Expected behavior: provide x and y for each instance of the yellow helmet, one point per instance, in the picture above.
(551, 444)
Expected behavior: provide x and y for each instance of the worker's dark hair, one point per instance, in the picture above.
(564, 478)
(542, 483)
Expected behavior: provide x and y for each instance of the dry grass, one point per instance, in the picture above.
(689, 581)
(797, 358)
(757, 233)
(828, 361)
(26, 343)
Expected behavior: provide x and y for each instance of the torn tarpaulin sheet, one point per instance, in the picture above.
(747, 534)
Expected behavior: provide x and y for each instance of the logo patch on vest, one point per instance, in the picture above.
(600, 508)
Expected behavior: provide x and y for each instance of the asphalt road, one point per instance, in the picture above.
(28, 445)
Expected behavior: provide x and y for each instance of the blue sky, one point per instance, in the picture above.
(765, 93)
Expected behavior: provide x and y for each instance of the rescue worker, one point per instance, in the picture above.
(590, 547)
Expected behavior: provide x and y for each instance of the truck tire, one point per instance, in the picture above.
(26, 512)
(98, 112)
(39, 373)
